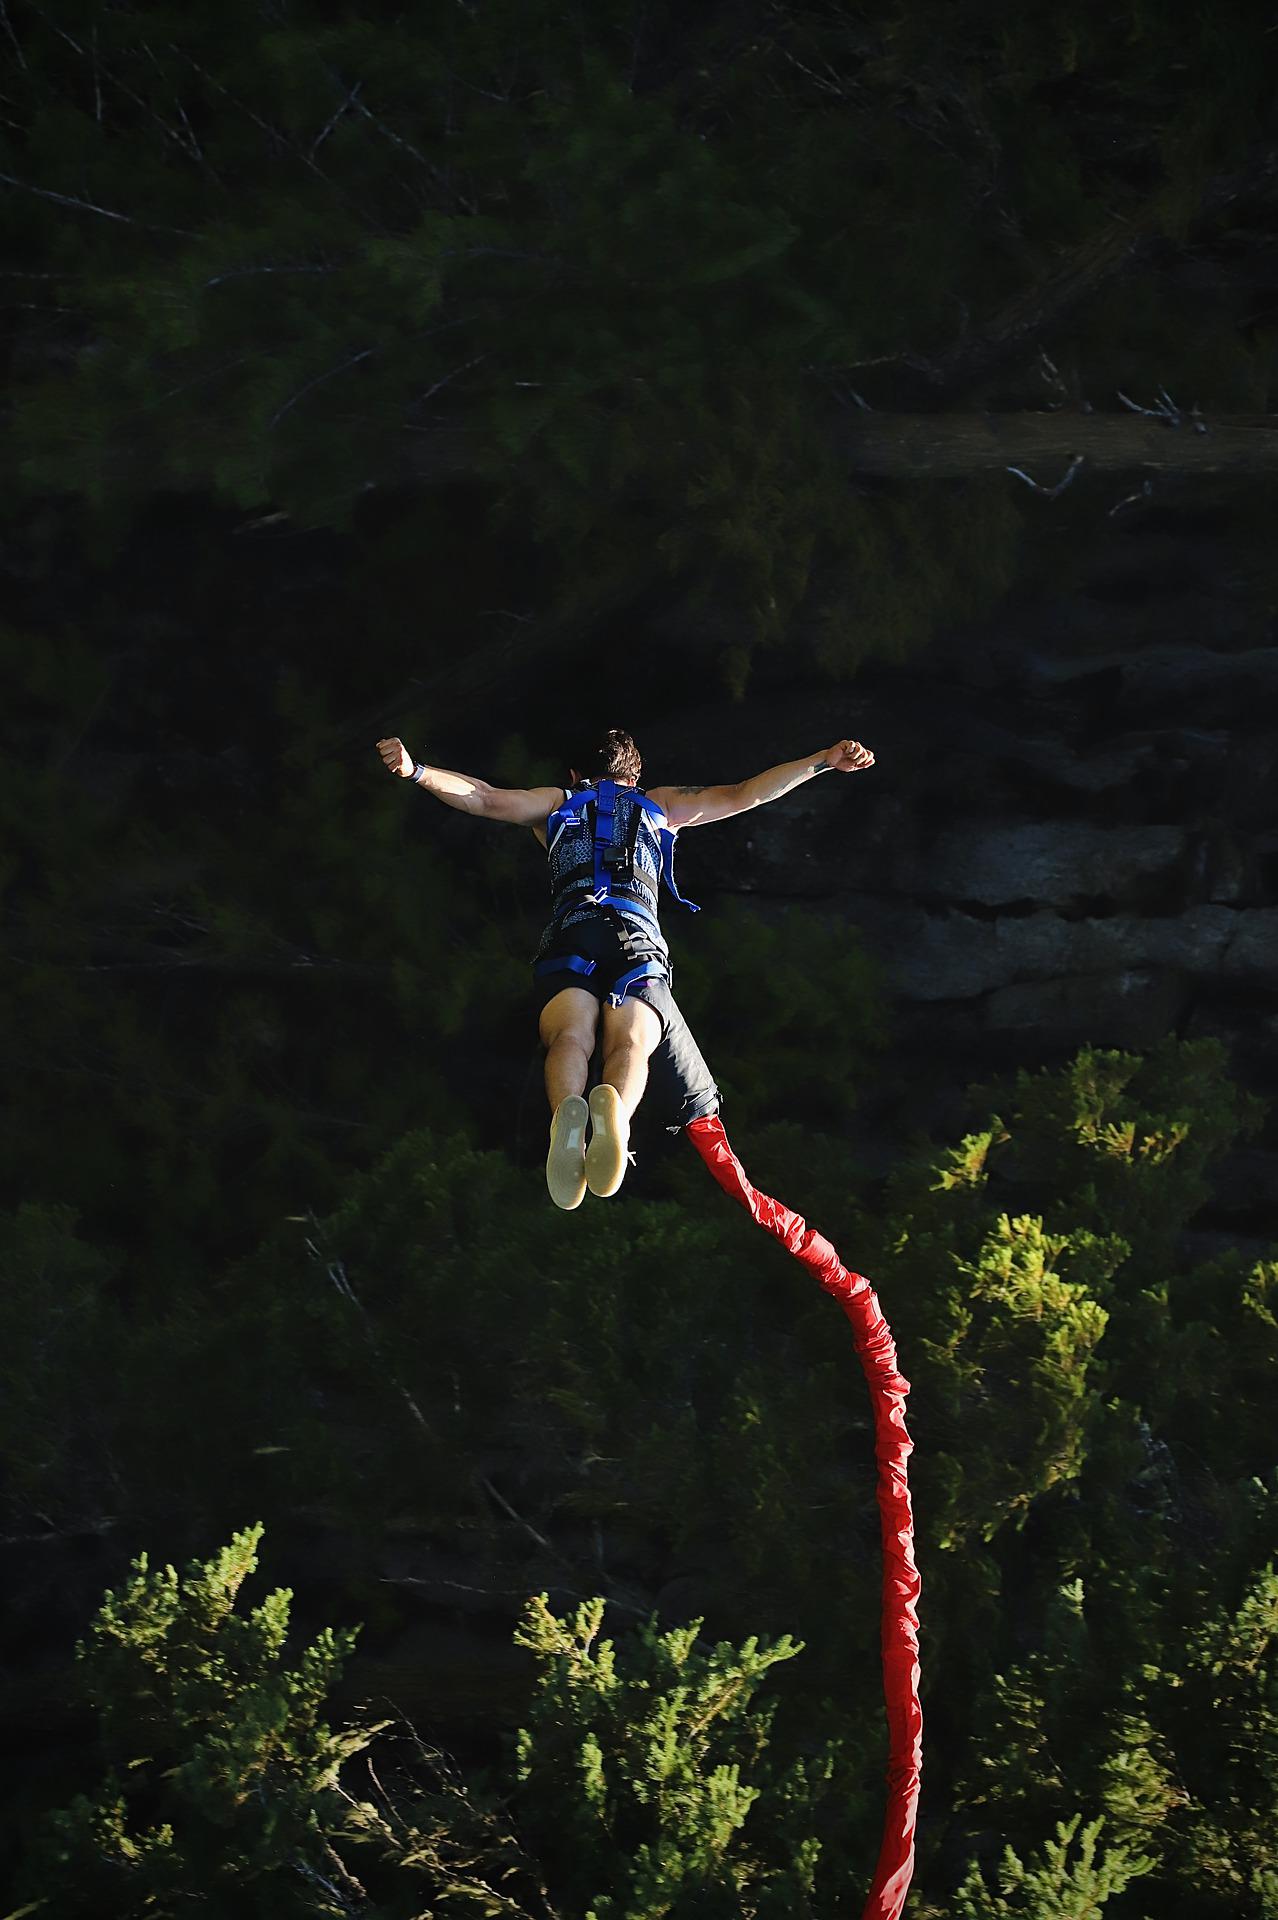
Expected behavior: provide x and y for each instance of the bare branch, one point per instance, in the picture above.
(90, 54)
(319, 381)
(1165, 409)
(225, 366)
(245, 273)
(333, 119)
(336, 1272)
(90, 206)
(1141, 493)
(8, 27)
(518, 1518)
(1050, 374)
(387, 133)
(440, 176)
(193, 140)
(834, 87)
(273, 133)
(1051, 493)
(1024, 320)
(952, 445)
(446, 380)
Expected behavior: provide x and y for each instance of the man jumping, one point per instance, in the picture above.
(603, 958)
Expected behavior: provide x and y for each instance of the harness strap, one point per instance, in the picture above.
(577, 963)
(605, 807)
(581, 880)
(610, 864)
(666, 836)
(564, 963)
(632, 842)
(646, 970)
(666, 841)
(620, 902)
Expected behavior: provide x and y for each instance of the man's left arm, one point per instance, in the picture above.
(698, 806)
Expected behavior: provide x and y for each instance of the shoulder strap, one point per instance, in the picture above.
(666, 839)
(570, 812)
(666, 836)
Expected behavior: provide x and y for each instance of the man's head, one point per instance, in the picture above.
(614, 757)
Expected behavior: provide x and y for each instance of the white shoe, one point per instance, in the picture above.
(566, 1161)
(609, 1141)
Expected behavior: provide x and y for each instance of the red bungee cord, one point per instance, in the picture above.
(876, 1351)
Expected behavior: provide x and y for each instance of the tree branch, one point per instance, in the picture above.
(8, 27)
(90, 206)
(320, 379)
(934, 382)
(952, 445)
(919, 446)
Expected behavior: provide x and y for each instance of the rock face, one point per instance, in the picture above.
(998, 863)
(1071, 834)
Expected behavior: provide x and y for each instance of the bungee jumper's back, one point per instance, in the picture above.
(608, 848)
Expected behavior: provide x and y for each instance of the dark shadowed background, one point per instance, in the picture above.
(748, 379)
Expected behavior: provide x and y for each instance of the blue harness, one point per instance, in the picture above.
(610, 879)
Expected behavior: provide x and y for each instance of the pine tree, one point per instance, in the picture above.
(221, 1781)
(646, 1778)
(1060, 1884)
(642, 1783)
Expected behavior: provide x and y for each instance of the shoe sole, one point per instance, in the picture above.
(565, 1163)
(609, 1138)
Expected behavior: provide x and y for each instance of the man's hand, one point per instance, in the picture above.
(848, 756)
(397, 757)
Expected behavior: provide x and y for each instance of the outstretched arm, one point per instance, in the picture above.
(698, 806)
(517, 806)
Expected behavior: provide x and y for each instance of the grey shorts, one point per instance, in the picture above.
(680, 1085)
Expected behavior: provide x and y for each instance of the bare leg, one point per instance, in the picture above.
(630, 1032)
(568, 1026)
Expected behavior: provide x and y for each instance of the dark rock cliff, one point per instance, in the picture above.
(1071, 833)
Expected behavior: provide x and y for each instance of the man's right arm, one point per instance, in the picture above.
(515, 806)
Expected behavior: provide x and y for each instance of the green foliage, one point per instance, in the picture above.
(659, 1401)
(643, 1782)
(625, 274)
(660, 1404)
(221, 1774)
(1026, 1332)
(1080, 1344)
(813, 1034)
(1115, 1151)
(1059, 1885)
(610, 285)
(1132, 1138)
(1228, 1677)
(645, 1777)
(1057, 1723)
